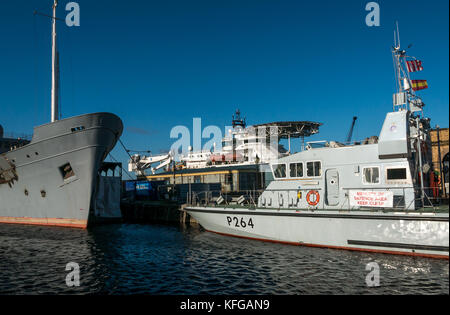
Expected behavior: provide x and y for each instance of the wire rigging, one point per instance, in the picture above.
(124, 170)
(126, 150)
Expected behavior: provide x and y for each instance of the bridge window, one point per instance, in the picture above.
(79, 128)
(279, 170)
(371, 175)
(314, 169)
(296, 169)
(396, 173)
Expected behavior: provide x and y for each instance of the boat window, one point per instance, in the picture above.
(296, 169)
(279, 170)
(79, 128)
(396, 173)
(314, 169)
(371, 175)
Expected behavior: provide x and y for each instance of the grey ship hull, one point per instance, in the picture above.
(36, 189)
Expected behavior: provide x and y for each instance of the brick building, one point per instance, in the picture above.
(444, 148)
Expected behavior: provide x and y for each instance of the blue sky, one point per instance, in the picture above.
(158, 64)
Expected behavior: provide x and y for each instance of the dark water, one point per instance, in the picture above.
(154, 259)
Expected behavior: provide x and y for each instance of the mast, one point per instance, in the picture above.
(406, 100)
(402, 83)
(55, 70)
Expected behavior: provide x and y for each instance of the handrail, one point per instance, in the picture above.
(17, 136)
(206, 197)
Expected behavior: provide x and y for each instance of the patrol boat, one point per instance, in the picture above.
(52, 179)
(370, 196)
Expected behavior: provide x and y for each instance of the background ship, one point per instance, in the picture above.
(241, 163)
(53, 179)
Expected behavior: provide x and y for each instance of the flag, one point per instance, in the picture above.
(419, 84)
(414, 65)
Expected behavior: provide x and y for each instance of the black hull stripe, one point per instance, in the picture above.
(399, 245)
(326, 216)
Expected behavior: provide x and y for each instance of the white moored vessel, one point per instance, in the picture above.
(366, 197)
(242, 145)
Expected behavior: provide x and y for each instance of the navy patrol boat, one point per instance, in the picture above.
(369, 196)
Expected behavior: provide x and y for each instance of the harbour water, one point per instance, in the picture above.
(168, 260)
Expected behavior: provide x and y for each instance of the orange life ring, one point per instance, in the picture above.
(316, 200)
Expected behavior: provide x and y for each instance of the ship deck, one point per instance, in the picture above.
(441, 209)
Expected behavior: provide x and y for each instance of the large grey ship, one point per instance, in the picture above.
(52, 179)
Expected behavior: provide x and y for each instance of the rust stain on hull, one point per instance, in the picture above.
(81, 224)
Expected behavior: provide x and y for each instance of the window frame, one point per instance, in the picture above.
(313, 161)
(296, 170)
(274, 167)
(197, 179)
(397, 181)
(364, 177)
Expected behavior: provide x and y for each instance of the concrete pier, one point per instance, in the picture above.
(166, 212)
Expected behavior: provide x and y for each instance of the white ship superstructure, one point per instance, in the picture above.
(258, 144)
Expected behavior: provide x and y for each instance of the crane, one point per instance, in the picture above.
(350, 132)
(139, 163)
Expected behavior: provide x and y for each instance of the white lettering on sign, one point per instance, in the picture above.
(379, 199)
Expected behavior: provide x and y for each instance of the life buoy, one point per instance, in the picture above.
(315, 200)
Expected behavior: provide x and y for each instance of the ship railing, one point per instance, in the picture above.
(17, 136)
(249, 198)
(216, 197)
(432, 196)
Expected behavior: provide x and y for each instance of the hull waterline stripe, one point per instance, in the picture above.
(81, 224)
(399, 245)
(326, 216)
(379, 251)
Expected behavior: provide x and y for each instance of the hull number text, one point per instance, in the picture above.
(240, 222)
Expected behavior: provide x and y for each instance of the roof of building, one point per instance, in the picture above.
(211, 169)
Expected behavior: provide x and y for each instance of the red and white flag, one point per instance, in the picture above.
(414, 65)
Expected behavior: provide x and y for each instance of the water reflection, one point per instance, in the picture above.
(152, 259)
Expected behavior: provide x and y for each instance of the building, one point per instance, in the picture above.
(440, 142)
(233, 178)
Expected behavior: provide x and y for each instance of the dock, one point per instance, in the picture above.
(160, 211)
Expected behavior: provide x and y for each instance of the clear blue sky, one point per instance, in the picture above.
(158, 64)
